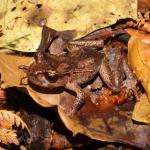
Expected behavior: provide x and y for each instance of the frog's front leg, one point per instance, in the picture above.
(80, 98)
(131, 81)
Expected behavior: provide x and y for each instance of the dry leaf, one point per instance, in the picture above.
(9, 68)
(137, 64)
(143, 5)
(112, 125)
(44, 100)
(20, 20)
(8, 119)
(141, 111)
(8, 136)
(138, 56)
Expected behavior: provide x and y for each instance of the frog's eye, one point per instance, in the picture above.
(51, 73)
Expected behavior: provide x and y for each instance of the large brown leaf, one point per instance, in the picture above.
(9, 68)
(139, 59)
(143, 5)
(111, 125)
(141, 111)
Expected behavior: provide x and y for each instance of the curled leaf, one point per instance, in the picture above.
(9, 134)
(44, 100)
(139, 59)
(141, 111)
(9, 68)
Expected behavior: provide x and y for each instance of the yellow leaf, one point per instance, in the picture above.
(139, 60)
(141, 111)
(9, 68)
(20, 19)
(135, 48)
(44, 100)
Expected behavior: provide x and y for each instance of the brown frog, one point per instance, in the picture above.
(72, 69)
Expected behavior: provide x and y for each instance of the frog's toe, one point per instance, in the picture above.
(131, 86)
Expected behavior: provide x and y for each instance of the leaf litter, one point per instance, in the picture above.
(115, 124)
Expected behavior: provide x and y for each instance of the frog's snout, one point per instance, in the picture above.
(115, 89)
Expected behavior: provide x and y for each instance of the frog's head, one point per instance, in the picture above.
(40, 74)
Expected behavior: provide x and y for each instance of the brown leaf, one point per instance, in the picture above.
(141, 111)
(8, 119)
(112, 125)
(143, 5)
(139, 60)
(44, 100)
(9, 68)
(8, 134)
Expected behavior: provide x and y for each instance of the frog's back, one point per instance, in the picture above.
(87, 59)
(85, 65)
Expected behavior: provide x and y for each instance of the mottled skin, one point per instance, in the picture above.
(72, 69)
(68, 71)
(115, 70)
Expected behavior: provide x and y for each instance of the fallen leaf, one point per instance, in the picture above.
(9, 68)
(44, 100)
(144, 48)
(138, 56)
(138, 59)
(141, 111)
(9, 135)
(112, 125)
(19, 21)
(143, 5)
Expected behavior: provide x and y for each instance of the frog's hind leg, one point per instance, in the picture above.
(131, 81)
(107, 75)
(80, 98)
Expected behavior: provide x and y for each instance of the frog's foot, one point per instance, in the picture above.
(131, 85)
(80, 98)
(78, 103)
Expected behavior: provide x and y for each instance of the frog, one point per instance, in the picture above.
(68, 71)
(71, 70)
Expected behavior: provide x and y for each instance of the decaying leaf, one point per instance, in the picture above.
(44, 100)
(138, 56)
(9, 68)
(143, 5)
(135, 46)
(9, 134)
(19, 20)
(141, 111)
(8, 119)
(112, 125)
